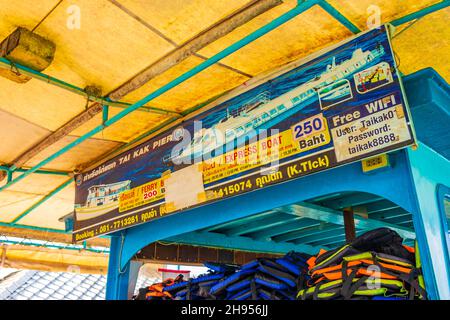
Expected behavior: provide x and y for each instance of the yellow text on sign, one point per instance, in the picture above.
(244, 158)
(311, 132)
(149, 192)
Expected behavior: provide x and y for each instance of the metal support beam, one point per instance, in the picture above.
(40, 202)
(420, 13)
(298, 232)
(389, 213)
(299, 223)
(349, 224)
(216, 240)
(49, 172)
(358, 199)
(105, 114)
(237, 223)
(225, 26)
(7, 64)
(45, 244)
(338, 16)
(332, 216)
(27, 227)
(321, 236)
(274, 220)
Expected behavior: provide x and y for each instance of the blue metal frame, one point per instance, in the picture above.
(312, 211)
(342, 179)
(209, 239)
(428, 171)
(421, 13)
(442, 193)
(339, 16)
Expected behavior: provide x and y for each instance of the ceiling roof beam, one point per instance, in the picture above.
(290, 235)
(391, 213)
(47, 234)
(41, 201)
(217, 240)
(336, 217)
(322, 236)
(421, 13)
(350, 200)
(299, 223)
(272, 221)
(241, 221)
(338, 239)
(338, 16)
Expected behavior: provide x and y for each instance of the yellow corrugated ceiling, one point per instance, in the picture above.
(118, 39)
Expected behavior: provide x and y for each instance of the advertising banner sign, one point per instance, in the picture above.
(339, 107)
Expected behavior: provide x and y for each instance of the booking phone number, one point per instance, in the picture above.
(126, 221)
(119, 224)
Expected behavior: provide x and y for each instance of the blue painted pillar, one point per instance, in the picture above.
(117, 280)
(428, 171)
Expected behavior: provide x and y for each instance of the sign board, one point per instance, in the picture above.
(339, 107)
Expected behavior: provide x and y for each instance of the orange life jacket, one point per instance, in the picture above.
(156, 289)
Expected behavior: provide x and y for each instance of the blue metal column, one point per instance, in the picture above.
(117, 280)
(428, 170)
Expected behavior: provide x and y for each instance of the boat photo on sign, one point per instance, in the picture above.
(340, 106)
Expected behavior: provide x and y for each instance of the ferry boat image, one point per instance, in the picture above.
(101, 199)
(335, 93)
(266, 112)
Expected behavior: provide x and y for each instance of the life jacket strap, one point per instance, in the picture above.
(253, 289)
(410, 278)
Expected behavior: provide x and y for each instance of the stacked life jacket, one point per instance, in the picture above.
(199, 288)
(375, 265)
(260, 279)
(265, 279)
(156, 290)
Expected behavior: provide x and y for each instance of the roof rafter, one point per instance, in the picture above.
(332, 216)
